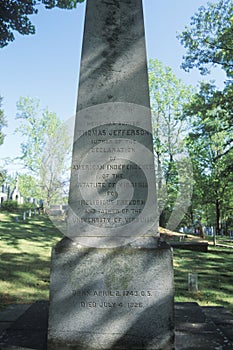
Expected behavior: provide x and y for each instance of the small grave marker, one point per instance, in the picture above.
(193, 282)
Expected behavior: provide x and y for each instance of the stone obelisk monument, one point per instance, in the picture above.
(111, 276)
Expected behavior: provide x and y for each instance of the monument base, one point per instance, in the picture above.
(111, 298)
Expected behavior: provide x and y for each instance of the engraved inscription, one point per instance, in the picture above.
(112, 293)
(112, 193)
(91, 298)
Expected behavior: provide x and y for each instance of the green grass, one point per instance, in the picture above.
(25, 250)
(215, 276)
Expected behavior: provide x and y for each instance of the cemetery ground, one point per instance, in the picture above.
(25, 249)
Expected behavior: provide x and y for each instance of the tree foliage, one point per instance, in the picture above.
(2, 122)
(14, 16)
(45, 148)
(209, 43)
(3, 176)
(29, 186)
(210, 145)
(209, 38)
(168, 97)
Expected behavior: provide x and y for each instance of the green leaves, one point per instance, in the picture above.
(210, 147)
(2, 122)
(209, 38)
(14, 16)
(168, 97)
(45, 147)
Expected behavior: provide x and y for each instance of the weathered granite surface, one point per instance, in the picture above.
(115, 298)
(196, 327)
(113, 62)
(112, 280)
(112, 189)
(112, 198)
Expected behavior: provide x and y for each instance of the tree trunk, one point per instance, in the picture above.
(192, 215)
(202, 233)
(162, 219)
(217, 203)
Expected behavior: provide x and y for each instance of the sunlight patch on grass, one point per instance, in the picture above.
(25, 249)
(215, 276)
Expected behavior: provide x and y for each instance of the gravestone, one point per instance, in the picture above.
(30, 199)
(56, 210)
(193, 282)
(111, 277)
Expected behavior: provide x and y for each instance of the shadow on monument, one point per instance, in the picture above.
(111, 298)
(111, 64)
